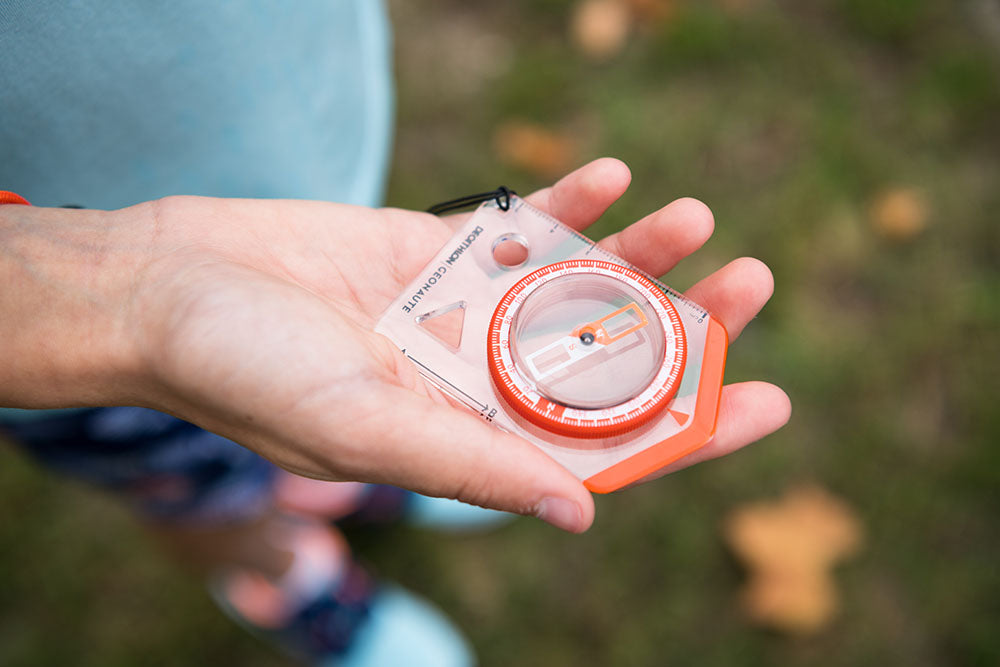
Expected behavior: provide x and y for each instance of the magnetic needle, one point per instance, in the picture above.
(586, 348)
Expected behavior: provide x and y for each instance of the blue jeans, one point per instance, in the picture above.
(165, 468)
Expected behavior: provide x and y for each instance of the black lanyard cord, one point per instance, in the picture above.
(502, 196)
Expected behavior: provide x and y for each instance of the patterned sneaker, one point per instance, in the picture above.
(326, 610)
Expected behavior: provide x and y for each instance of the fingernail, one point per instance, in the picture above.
(561, 513)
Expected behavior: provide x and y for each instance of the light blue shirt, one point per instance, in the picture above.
(108, 104)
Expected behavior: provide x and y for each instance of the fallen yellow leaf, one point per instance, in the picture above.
(899, 213)
(534, 148)
(789, 547)
(599, 28)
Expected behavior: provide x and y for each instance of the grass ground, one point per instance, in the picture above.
(789, 120)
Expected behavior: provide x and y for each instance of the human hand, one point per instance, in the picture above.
(253, 319)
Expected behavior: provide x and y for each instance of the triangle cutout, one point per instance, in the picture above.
(680, 417)
(445, 324)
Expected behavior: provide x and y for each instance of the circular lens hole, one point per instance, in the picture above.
(510, 251)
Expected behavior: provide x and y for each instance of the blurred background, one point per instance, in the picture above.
(854, 146)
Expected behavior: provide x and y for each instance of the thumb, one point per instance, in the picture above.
(440, 450)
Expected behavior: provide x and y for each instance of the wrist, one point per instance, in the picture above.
(67, 277)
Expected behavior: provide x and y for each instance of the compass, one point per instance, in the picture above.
(586, 349)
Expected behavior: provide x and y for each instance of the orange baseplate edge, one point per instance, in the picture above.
(696, 436)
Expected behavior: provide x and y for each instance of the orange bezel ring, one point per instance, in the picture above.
(516, 390)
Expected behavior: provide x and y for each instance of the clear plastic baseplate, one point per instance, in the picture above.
(544, 334)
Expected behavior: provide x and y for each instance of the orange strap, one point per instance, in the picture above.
(12, 198)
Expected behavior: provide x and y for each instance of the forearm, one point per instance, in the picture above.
(65, 282)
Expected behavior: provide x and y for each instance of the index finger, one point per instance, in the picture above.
(581, 197)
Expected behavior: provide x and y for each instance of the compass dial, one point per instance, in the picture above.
(586, 348)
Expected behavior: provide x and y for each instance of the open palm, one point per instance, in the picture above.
(256, 317)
